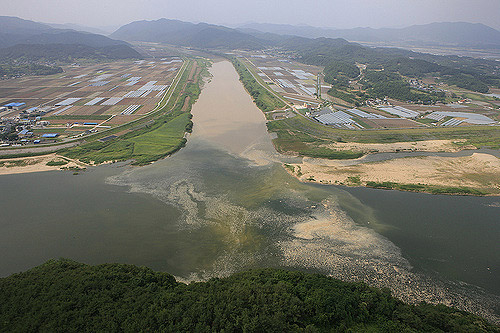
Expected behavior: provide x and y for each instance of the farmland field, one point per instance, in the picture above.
(92, 92)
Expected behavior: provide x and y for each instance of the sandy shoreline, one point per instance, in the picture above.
(450, 146)
(478, 171)
(35, 164)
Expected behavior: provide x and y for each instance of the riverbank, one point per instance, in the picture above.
(477, 174)
(43, 163)
(450, 146)
(340, 157)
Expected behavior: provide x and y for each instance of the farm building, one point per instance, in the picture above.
(25, 133)
(50, 135)
(400, 111)
(15, 106)
(459, 117)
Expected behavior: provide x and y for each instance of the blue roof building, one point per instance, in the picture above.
(50, 135)
(15, 105)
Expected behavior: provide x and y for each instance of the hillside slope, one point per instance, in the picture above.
(28, 41)
(14, 30)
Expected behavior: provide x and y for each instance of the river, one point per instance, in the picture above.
(224, 203)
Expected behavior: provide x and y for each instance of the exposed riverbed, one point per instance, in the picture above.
(224, 203)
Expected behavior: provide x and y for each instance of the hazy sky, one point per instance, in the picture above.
(324, 13)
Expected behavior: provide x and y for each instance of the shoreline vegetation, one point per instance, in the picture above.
(335, 156)
(64, 295)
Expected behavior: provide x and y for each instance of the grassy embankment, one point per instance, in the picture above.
(154, 137)
(66, 296)
(262, 97)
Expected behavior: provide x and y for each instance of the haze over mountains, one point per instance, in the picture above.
(188, 34)
(257, 35)
(434, 34)
(14, 31)
(17, 37)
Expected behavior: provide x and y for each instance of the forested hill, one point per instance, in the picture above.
(469, 73)
(67, 296)
(201, 35)
(14, 30)
(24, 40)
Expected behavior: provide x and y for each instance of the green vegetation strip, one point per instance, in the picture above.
(57, 163)
(66, 296)
(262, 97)
(426, 188)
(155, 140)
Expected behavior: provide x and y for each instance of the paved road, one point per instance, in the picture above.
(38, 149)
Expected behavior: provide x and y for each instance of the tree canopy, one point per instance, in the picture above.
(66, 296)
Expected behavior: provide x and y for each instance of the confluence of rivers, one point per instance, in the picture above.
(224, 203)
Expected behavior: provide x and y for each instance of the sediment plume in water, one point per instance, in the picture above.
(230, 194)
(318, 236)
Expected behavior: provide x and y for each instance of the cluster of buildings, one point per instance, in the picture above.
(420, 85)
(18, 129)
(354, 118)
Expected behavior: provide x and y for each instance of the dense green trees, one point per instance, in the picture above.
(384, 83)
(67, 296)
(66, 52)
(338, 73)
(468, 82)
(339, 58)
(412, 67)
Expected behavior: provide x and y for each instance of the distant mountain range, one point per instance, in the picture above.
(79, 27)
(24, 37)
(434, 34)
(201, 35)
(260, 35)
